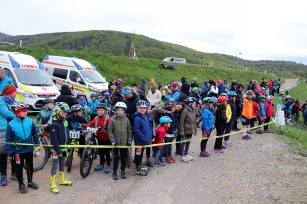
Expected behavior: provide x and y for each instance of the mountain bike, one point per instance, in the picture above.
(72, 153)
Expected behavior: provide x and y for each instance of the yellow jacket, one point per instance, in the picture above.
(228, 112)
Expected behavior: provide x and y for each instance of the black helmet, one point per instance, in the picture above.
(93, 95)
(48, 100)
(102, 105)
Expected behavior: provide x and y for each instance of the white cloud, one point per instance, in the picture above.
(260, 29)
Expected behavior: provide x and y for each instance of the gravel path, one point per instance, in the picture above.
(261, 170)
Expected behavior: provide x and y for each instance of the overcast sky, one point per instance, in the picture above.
(259, 29)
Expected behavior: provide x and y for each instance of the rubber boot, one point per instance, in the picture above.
(64, 181)
(53, 188)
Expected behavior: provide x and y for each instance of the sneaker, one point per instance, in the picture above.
(14, 177)
(218, 151)
(184, 159)
(3, 181)
(177, 153)
(229, 143)
(115, 176)
(246, 137)
(99, 168)
(142, 171)
(107, 170)
(54, 189)
(190, 157)
(65, 182)
(259, 132)
(223, 146)
(22, 188)
(123, 175)
(149, 164)
(173, 159)
(168, 160)
(158, 164)
(266, 131)
(249, 132)
(33, 185)
(204, 154)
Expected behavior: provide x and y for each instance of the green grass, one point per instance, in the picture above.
(294, 136)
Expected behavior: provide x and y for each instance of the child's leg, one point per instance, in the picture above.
(123, 158)
(148, 154)
(158, 156)
(187, 146)
(161, 157)
(115, 159)
(63, 181)
(3, 164)
(29, 165)
(19, 168)
(13, 166)
(183, 143)
(138, 156)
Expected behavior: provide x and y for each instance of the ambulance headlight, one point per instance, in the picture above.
(27, 94)
(93, 89)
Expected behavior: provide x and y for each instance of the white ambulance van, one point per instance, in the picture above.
(78, 74)
(32, 81)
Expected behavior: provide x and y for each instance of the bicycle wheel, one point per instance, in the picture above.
(87, 161)
(69, 159)
(40, 158)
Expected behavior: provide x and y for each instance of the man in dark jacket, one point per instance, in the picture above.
(112, 83)
(184, 92)
(130, 100)
(66, 96)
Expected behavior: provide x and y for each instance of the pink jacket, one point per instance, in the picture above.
(269, 109)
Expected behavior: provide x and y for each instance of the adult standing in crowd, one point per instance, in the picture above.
(4, 80)
(6, 100)
(153, 95)
(66, 96)
(112, 83)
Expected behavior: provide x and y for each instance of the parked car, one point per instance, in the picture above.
(174, 59)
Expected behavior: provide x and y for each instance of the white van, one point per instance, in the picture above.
(78, 74)
(32, 81)
(174, 59)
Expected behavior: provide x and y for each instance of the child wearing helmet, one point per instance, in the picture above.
(232, 104)
(207, 125)
(47, 113)
(22, 130)
(93, 105)
(160, 135)
(142, 135)
(220, 123)
(269, 112)
(59, 134)
(187, 128)
(101, 122)
(247, 113)
(120, 133)
(81, 99)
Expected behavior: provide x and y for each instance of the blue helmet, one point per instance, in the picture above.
(190, 100)
(165, 119)
(214, 99)
(208, 100)
(231, 93)
(106, 94)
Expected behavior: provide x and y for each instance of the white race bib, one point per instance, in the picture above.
(74, 134)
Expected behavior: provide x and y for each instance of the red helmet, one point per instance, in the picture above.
(222, 99)
(174, 85)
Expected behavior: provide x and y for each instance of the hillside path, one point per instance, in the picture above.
(261, 170)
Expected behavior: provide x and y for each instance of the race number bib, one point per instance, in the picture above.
(90, 129)
(74, 134)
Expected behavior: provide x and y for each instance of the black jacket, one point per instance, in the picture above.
(131, 107)
(116, 97)
(66, 96)
(220, 119)
(233, 107)
(59, 134)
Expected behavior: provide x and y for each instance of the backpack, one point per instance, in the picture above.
(294, 109)
(104, 127)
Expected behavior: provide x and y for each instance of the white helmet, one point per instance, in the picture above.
(120, 105)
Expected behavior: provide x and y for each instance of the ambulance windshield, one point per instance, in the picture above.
(33, 77)
(93, 76)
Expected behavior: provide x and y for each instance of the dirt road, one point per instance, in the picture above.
(261, 170)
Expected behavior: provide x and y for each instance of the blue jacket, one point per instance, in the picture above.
(74, 121)
(208, 119)
(262, 109)
(6, 80)
(93, 105)
(21, 131)
(174, 123)
(141, 127)
(151, 121)
(82, 102)
(5, 114)
(59, 134)
(221, 88)
(175, 95)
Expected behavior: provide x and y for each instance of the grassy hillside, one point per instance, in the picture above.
(118, 43)
(131, 71)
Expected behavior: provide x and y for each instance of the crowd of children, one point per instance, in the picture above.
(134, 120)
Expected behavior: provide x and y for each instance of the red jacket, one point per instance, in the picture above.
(160, 134)
(269, 109)
(98, 121)
(256, 109)
(270, 84)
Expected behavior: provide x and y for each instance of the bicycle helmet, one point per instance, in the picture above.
(174, 85)
(80, 94)
(231, 93)
(93, 95)
(222, 99)
(194, 89)
(120, 105)
(142, 103)
(261, 97)
(165, 119)
(170, 103)
(224, 94)
(48, 100)
(102, 105)
(76, 108)
(61, 106)
(106, 94)
(190, 100)
(270, 97)
(194, 79)
(214, 99)
(250, 92)
(16, 107)
(208, 100)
